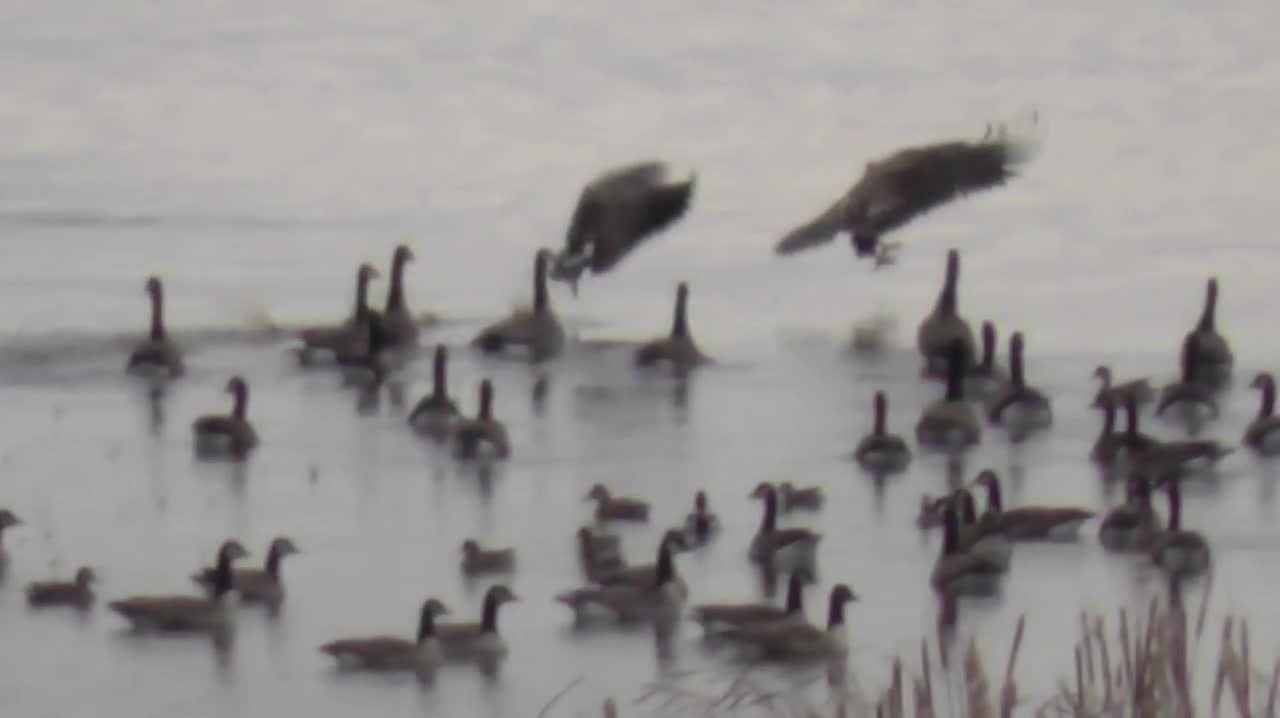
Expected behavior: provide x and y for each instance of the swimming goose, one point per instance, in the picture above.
(793, 498)
(256, 585)
(616, 212)
(660, 601)
(1186, 391)
(645, 575)
(1168, 460)
(392, 653)
(349, 338)
(478, 640)
(477, 561)
(157, 355)
(1129, 526)
(187, 613)
(944, 326)
(1177, 551)
(782, 550)
(1261, 435)
(1115, 393)
(908, 183)
(1030, 523)
(482, 435)
(715, 617)
(881, 451)
(616, 508)
(950, 422)
(77, 593)
(599, 553)
(957, 572)
(799, 639)
(700, 525)
(1030, 404)
(986, 377)
(402, 330)
(985, 536)
(678, 349)
(232, 433)
(436, 412)
(535, 330)
(1213, 358)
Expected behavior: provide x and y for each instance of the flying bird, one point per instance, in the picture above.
(908, 183)
(617, 211)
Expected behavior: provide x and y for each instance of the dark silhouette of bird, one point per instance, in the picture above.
(617, 211)
(908, 183)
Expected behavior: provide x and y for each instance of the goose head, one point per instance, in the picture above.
(598, 492)
(8, 519)
(85, 576)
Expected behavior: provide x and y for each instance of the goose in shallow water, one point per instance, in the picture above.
(645, 574)
(256, 585)
(716, 617)
(477, 561)
(231, 434)
(677, 349)
(211, 614)
(944, 326)
(957, 572)
(76, 593)
(157, 355)
(782, 550)
(616, 212)
(349, 338)
(799, 639)
(1115, 393)
(536, 331)
(882, 451)
(1130, 526)
(982, 535)
(617, 508)
(1187, 393)
(1030, 523)
(899, 187)
(660, 602)
(1212, 354)
(436, 412)
(950, 422)
(700, 525)
(1030, 406)
(397, 321)
(392, 653)
(482, 435)
(1263, 433)
(986, 377)
(1177, 551)
(478, 640)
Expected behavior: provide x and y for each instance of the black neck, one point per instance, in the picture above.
(795, 594)
(679, 324)
(438, 371)
(1131, 419)
(950, 530)
(1188, 360)
(489, 619)
(994, 502)
(395, 293)
(1175, 505)
(947, 297)
(1016, 376)
(955, 374)
(969, 508)
(540, 284)
(1210, 308)
(272, 567)
(1108, 419)
(157, 314)
(362, 294)
(882, 408)
(241, 406)
(835, 611)
(222, 578)
(426, 624)
(1268, 400)
(770, 519)
(988, 347)
(486, 404)
(665, 570)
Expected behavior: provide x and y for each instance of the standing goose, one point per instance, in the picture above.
(232, 434)
(944, 326)
(1179, 552)
(157, 355)
(714, 617)
(1262, 434)
(986, 377)
(800, 639)
(958, 572)
(1187, 391)
(477, 561)
(646, 574)
(701, 524)
(616, 212)
(256, 585)
(899, 187)
(881, 451)
(392, 653)
(661, 601)
(1116, 393)
(76, 593)
(212, 614)
(535, 330)
(1129, 526)
(1031, 405)
(436, 411)
(781, 550)
(402, 330)
(478, 640)
(617, 508)
(348, 338)
(1213, 358)
(1030, 523)
(483, 434)
(950, 422)
(678, 349)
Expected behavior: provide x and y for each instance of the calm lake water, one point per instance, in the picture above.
(253, 153)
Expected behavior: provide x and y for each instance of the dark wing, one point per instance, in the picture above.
(819, 230)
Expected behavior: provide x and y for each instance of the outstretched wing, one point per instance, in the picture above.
(817, 231)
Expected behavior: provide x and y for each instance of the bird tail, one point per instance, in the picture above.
(1020, 135)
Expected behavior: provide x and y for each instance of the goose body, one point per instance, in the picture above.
(660, 601)
(255, 585)
(178, 613)
(477, 561)
(950, 422)
(1116, 449)
(1130, 526)
(436, 412)
(397, 320)
(617, 508)
(700, 525)
(1213, 357)
(901, 186)
(227, 434)
(1187, 393)
(1029, 407)
(646, 575)
(1031, 523)
(481, 640)
(1179, 552)
(716, 617)
(392, 653)
(882, 451)
(156, 356)
(677, 350)
(1263, 433)
(794, 498)
(944, 327)
(76, 593)
(599, 553)
(483, 435)
(536, 331)
(788, 639)
(616, 212)
(348, 339)
(985, 536)
(782, 550)
(1116, 393)
(962, 573)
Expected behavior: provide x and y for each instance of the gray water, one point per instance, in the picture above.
(253, 153)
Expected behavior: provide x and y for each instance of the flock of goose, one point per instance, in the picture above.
(615, 214)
